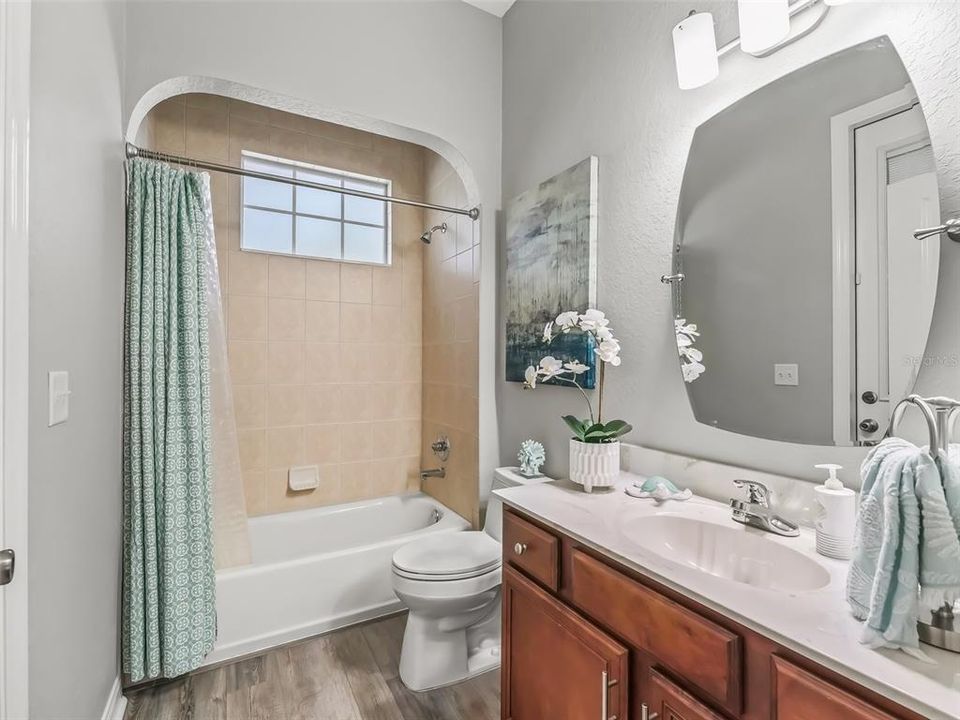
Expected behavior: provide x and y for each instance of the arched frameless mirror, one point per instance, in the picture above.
(811, 298)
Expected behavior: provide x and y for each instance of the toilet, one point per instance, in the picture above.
(450, 582)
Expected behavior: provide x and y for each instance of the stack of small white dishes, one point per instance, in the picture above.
(836, 516)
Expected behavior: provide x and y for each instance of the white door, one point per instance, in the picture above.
(896, 192)
(14, 113)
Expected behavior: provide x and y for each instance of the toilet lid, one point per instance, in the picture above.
(446, 554)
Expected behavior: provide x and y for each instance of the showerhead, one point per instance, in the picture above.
(428, 234)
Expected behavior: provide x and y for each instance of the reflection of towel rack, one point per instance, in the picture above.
(940, 414)
(951, 227)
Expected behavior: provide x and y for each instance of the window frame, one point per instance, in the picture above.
(345, 176)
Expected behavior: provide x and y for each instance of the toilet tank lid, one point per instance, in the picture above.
(504, 477)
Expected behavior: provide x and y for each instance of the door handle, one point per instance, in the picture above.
(7, 562)
(869, 425)
(645, 713)
(605, 691)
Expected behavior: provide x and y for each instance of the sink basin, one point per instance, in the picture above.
(743, 555)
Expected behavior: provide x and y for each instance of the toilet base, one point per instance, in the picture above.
(434, 656)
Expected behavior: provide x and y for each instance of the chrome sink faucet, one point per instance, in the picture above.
(756, 511)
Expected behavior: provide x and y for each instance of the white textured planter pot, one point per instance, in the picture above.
(594, 465)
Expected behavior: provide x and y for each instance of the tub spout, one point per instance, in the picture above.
(435, 472)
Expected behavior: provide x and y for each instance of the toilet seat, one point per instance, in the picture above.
(448, 556)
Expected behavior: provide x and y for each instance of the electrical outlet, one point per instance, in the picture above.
(786, 374)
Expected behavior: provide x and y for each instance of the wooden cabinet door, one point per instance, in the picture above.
(800, 695)
(671, 702)
(555, 664)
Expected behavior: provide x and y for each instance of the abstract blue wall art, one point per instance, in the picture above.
(551, 243)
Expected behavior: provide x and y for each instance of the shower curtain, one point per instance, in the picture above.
(180, 456)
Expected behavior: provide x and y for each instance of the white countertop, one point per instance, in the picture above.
(815, 623)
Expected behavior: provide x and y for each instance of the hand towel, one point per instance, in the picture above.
(658, 488)
(882, 585)
(939, 499)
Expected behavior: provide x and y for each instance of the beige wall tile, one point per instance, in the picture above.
(285, 363)
(253, 449)
(249, 405)
(254, 491)
(322, 321)
(286, 319)
(285, 405)
(287, 277)
(248, 361)
(356, 283)
(205, 139)
(284, 447)
(322, 444)
(249, 272)
(247, 317)
(355, 442)
(322, 363)
(356, 402)
(387, 285)
(323, 404)
(322, 280)
(355, 323)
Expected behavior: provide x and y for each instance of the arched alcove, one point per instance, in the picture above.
(258, 96)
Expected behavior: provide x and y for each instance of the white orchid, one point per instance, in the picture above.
(548, 332)
(592, 320)
(609, 352)
(692, 370)
(576, 367)
(530, 377)
(550, 367)
(594, 324)
(690, 358)
(566, 321)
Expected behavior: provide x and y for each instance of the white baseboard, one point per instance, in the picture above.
(116, 703)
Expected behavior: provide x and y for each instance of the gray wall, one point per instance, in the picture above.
(76, 301)
(598, 77)
(756, 220)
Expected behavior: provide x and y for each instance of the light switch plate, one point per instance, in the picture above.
(786, 374)
(58, 396)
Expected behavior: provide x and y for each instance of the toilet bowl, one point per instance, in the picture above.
(450, 583)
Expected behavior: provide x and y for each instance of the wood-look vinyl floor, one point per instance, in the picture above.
(350, 674)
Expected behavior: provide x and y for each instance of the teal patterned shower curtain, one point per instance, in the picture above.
(169, 616)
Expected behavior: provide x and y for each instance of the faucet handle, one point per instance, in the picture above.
(757, 492)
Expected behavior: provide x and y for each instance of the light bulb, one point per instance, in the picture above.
(763, 24)
(695, 51)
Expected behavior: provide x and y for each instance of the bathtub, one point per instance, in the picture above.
(318, 570)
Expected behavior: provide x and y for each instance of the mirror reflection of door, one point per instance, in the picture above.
(895, 193)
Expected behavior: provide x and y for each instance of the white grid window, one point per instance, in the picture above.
(294, 220)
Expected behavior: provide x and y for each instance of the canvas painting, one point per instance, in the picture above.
(551, 244)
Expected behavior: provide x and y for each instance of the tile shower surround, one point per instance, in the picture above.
(327, 358)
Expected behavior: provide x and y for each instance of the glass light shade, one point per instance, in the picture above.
(763, 24)
(695, 51)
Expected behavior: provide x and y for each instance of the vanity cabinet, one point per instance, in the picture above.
(555, 664)
(586, 638)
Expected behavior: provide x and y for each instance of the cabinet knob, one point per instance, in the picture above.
(520, 548)
(645, 713)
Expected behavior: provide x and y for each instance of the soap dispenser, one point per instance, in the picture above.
(836, 515)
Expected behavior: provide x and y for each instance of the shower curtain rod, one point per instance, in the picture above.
(134, 151)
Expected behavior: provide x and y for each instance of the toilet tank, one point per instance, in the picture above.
(504, 477)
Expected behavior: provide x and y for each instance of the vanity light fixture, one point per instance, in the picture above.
(763, 24)
(695, 50)
(765, 27)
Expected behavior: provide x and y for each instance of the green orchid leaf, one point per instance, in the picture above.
(615, 425)
(627, 427)
(575, 425)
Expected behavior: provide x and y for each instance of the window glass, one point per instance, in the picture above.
(267, 231)
(309, 222)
